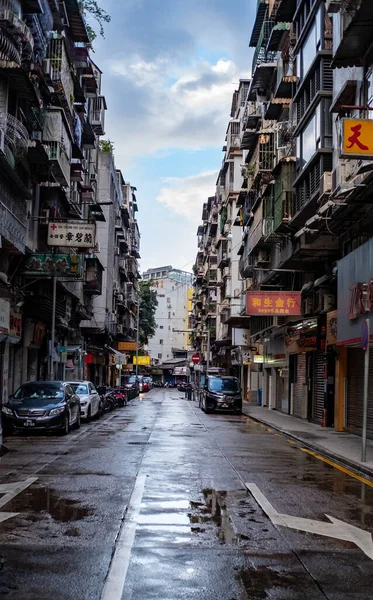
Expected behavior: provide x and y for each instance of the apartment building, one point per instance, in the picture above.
(172, 339)
(52, 114)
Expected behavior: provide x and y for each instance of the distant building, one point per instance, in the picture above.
(174, 290)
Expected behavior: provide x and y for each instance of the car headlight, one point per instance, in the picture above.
(7, 411)
(56, 411)
(83, 403)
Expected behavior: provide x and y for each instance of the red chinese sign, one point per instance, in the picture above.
(273, 303)
(357, 138)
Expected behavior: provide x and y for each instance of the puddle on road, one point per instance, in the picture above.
(213, 511)
(42, 500)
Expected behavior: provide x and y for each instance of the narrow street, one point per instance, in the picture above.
(150, 503)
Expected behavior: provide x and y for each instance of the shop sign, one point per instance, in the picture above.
(73, 234)
(273, 303)
(357, 138)
(15, 328)
(141, 360)
(331, 328)
(180, 371)
(39, 334)
(4, 315)
(127, 346)
(53, 264)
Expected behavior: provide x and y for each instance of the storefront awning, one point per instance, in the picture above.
(73, 348)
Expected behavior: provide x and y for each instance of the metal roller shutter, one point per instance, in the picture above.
(299, 386)
(355, 391)
(318, 388)
(279, 390)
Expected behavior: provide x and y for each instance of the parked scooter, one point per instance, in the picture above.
(120, 397)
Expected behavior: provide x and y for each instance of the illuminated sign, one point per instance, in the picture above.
(273, 303)
(127, 346)
(142, 360)
(357, 138)
(53, 264)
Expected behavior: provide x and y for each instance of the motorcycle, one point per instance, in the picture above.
(120, 397)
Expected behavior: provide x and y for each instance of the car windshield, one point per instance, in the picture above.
(223, 384)
(54, 393)
(132, 379)
(81, 389)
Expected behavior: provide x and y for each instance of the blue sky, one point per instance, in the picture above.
(170, 68)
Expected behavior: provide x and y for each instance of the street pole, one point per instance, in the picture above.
(365, 405)
(137, 339)
(208, 351)
(54, 300)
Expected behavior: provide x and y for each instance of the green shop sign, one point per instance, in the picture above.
(61, 265)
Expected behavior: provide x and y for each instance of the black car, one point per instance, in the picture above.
(221, 393)
(43, 405)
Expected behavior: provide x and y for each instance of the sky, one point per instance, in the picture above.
(169, 70)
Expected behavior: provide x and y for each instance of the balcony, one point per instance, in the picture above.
(16, 138)
(57, 139)
(93, 276)
(58, 70)
(13, 220)
(284, 210)
(256, 235)
(97, 108)
(356, 36)
(14, 26)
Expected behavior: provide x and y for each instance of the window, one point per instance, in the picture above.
(158, 274)
(160, 355)
(161, 342)
(312, 45)
(168, 300)
(169, 315)
(161, 327)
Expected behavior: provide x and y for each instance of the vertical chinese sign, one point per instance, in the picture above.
(273, 303)
(357, 138)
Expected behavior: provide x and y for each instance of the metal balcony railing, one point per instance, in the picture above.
(58, 68)
(11, 20)
(97, 114)
(16, 135)
(261, 55)
(13, 218)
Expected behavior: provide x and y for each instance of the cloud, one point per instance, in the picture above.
(185, 196)
(157, 107)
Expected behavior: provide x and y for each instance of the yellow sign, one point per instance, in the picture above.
(357, 138)
(127, 346)
(143, 360)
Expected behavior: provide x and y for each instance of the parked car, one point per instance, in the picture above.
(132, 384)
(149, 381)
(48, 405)
(221, 393)
(89, 398)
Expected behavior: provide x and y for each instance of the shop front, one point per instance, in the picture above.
(355, 306)
(305, 343)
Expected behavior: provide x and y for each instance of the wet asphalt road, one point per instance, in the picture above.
(151, 500)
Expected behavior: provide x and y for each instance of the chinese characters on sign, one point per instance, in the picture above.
(273, 303)
(143, 360)
(72, 234)
(4, 315)
(53, 264)
(127, 346)
(357, 138)
(15, 327)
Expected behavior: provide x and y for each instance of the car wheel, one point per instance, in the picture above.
(66, 426)
(207, 410)
(89, 414)
(238, 412)
(78, 420)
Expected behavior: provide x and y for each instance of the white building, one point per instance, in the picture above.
(174, 290)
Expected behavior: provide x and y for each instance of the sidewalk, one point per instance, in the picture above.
(344, 448)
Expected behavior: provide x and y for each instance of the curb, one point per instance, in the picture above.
(341, 460)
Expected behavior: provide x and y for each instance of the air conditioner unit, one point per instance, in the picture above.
(333, 6)
(117, 251)
(329, 302)
(237, 293)
(281, 152)
(307, 306)
(342, 174)
(120, 297)
(97, 248)
(116, 287)
(122, 264)
(120, 329)
(113, 317)
(247, 284)
(226, 272)
(47, 67)
(326, 184)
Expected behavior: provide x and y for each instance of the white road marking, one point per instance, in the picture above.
(116, 578)
(10, 491)
(336, 529)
